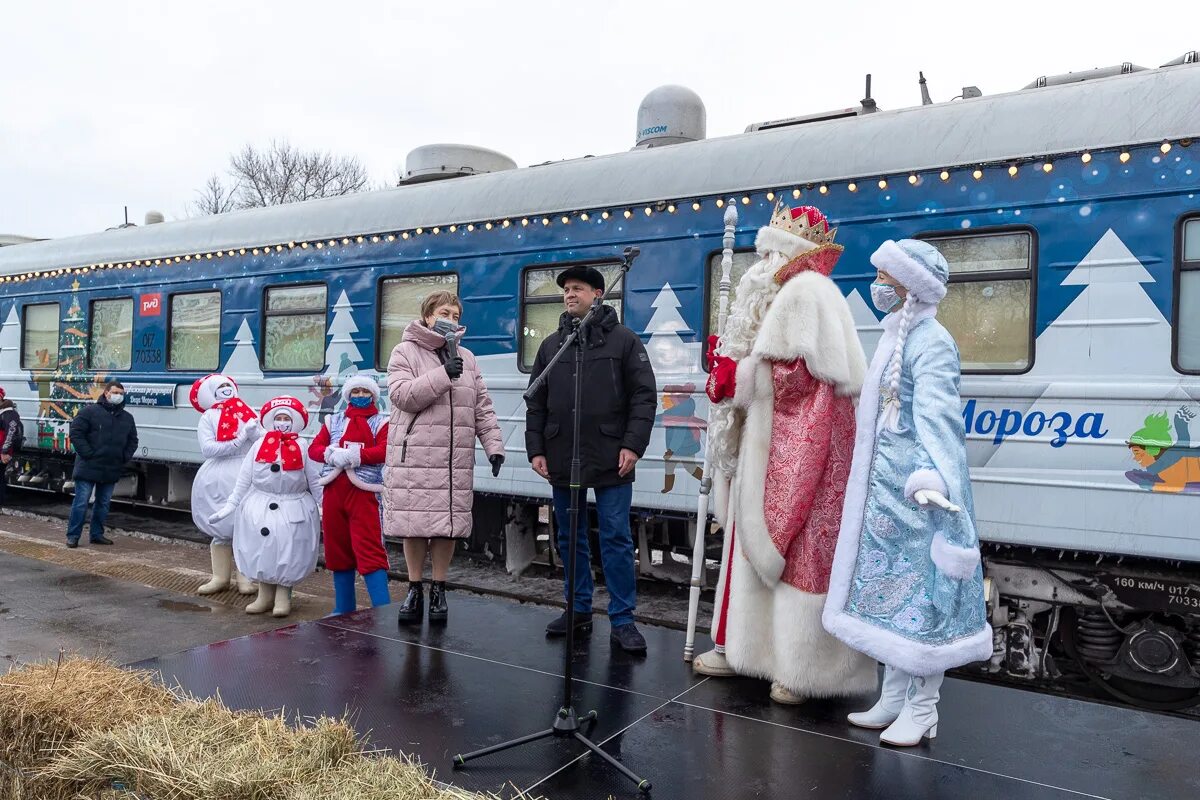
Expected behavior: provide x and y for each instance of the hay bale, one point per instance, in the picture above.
(204, 750)
(366, 777)
(45, 707)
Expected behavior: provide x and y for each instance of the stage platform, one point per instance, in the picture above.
(491, 675)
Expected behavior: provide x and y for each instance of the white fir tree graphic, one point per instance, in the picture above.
(669, 353)
(243, 364)
(866, 322)
(342, 355)
(10, 346)
(1112, 328)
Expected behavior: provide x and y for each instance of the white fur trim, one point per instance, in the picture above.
(925, 479)
(776, 634)
(753, 536)
(950, 559)
(780, 241)
(746, 390)
(811, 320)
(360, 382)
(912, 275)
(891, 649)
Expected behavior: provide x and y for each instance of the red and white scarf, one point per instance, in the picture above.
(233, 411)
(273, 443)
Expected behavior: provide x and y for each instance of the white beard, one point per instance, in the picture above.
(755, 292)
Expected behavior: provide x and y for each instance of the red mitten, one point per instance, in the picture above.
(722, 373)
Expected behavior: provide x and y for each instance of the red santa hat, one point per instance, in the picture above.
(360, 382)
(289, 405)
(803, 235)
(204, 390)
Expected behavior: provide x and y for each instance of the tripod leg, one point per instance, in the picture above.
(642, 784)
(462, 759)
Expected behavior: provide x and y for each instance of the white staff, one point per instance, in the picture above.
(706, 482)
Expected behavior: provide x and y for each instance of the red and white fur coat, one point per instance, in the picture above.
(795, 398)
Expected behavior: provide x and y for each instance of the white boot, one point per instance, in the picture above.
(221, 554)
(244, 584)
(889, 705)
(283, 601)
(264, 601)
(713, 664)
(919, 718)
(784, 695)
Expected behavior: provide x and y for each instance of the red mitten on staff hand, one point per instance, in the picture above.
(722, 373)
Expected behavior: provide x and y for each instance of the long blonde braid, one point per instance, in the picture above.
(891, 395)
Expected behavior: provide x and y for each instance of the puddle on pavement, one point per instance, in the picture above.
(179, 605)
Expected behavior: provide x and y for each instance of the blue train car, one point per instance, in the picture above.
(1069, 215)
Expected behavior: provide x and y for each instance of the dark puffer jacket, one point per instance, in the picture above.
(105, 439)
(619, 402)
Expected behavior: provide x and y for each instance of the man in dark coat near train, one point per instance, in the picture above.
(617, 415)
(104, 436)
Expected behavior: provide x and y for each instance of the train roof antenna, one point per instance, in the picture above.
(868, 103)
(925, 100)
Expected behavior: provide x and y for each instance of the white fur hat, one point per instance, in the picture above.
(919, 267)
(360, 382)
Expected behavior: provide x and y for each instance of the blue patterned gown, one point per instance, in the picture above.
(907, 586)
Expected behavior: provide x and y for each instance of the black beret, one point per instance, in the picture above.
(589, 275)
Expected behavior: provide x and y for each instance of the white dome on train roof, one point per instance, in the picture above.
(670, 115)
(432, 162)
(154, 217)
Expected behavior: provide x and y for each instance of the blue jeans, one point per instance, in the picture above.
(616, 549)
(79, 506)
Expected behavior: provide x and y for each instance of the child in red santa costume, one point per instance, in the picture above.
(785, 376)
(277, 527)
(227, 430)
(351, 446)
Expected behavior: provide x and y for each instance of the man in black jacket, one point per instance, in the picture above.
(105, 438)
(10, 446)
(617, 412)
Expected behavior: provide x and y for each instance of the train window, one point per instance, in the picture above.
(400, 303)
(294, 328)
(1187, 312)
(542, 305)
(110, 340)
(742, 261)
(39, 336)
(989, 305)
(194, 333)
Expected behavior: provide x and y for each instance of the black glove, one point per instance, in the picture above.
(497, 463)
(454, 367)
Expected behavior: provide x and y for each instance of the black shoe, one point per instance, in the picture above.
(628, 638)
(72, 543)
(583, 624)
(101, 540)
(413, 607)
(438, 612)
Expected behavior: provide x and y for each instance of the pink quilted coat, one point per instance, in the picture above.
(430, 468)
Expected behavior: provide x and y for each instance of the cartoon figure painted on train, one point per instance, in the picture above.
(682, 428)
(1166, 464)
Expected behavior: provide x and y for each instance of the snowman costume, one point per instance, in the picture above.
(227, 430)
(274, 505)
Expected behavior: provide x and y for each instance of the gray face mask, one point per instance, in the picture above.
(884, 297)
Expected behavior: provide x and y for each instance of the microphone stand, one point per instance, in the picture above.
(567, 723)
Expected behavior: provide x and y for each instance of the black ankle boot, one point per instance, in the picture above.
(413, 607)
(438, 612)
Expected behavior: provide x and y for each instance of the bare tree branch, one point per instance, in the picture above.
(279, 174)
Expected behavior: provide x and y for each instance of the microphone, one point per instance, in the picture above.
(451, 332)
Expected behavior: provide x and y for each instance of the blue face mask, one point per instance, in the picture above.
(884, 297)
(360, 402)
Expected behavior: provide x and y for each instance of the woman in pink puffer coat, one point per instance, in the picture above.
(439, 407)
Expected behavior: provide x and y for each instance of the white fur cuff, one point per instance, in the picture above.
(925, 479)
(744, 391)
(957, 562)
(913, 275)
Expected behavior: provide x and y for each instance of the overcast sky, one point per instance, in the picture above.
(114, 103)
